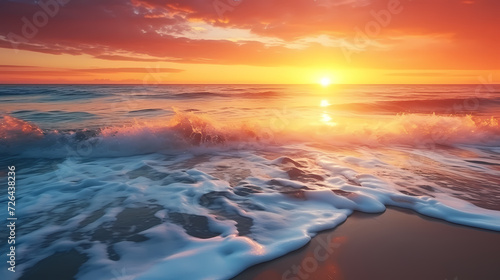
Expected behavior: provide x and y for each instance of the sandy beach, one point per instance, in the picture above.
(398, 244)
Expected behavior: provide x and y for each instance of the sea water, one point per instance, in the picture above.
(203, 181)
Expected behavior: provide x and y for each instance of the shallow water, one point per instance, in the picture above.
(136, 182)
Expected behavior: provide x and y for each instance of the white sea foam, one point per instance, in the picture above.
(212, 214)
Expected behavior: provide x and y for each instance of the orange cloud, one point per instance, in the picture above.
(426, 34)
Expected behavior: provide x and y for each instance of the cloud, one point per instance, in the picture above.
(28, 71)
(428, 74)
(273, 32)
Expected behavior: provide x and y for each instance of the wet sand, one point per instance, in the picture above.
(398, 244)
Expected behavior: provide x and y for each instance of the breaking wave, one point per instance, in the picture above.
(190, 130)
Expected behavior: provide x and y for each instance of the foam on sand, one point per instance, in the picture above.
(179, 215)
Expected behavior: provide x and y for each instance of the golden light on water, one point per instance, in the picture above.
(324, 103)
(325, 118)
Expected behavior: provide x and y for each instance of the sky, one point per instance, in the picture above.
(249, 41)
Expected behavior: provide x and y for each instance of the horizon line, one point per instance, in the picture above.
(173, 84)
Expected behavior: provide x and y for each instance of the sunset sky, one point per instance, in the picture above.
(249, 41)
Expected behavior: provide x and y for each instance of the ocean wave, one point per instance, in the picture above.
(260, 94)
(187, 130)
(50, 116)
(443, 106)
(246, 94)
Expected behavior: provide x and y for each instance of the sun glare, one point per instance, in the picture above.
(326, 118)
(324, 103)
(325, 81)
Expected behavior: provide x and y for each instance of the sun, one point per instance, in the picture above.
(325, 81)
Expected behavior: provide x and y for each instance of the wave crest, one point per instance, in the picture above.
(12, 129)
(188, 130)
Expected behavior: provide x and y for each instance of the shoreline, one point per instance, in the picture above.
(397, 244)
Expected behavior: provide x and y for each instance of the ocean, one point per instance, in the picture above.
(204, 181)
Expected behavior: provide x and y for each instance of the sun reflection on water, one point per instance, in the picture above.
(325, 117)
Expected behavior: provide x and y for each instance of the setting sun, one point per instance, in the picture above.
(325, 81)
